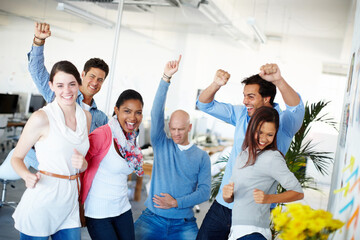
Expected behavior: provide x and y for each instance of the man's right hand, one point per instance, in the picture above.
(42, 30)
(221, 77)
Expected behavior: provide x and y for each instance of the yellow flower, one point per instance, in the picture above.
(297, 221)
(335, 224)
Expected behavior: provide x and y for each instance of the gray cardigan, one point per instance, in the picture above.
(269, 169)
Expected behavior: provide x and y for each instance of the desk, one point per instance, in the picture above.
(16, 124)
(147, 170)
(11, 133)
(214, 149)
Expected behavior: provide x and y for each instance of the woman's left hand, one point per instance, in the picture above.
(260, 197)
(78, 161)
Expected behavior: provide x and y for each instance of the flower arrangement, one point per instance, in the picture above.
(303, 223)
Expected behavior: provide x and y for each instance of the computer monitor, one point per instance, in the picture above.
(36, 102)
(8, 103)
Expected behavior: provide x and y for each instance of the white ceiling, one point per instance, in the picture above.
(278, 19)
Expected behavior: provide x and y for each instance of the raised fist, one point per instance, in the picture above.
(42, 31)
(221, 77)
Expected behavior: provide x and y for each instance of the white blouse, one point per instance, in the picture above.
(108, 193)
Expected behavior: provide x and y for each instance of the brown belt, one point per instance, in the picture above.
(71, 177)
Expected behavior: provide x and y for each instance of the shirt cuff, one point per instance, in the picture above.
(36, 51)
(179, 203)
(294, 108)
(203, 106)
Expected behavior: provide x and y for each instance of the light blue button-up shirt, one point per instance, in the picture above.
(290, 122)
(41, 78)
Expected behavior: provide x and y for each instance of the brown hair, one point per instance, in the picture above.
(261, 115)
(66, 67)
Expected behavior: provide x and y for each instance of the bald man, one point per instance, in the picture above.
(180, 177)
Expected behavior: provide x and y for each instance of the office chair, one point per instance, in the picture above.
(3, 126)
(7, 176)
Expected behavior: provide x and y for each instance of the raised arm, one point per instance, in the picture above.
(157, 111)
(36, 65)
(220, 79)
(35, 128)
(271, 73)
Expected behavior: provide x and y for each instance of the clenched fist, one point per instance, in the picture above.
(221, 77)
(42, 30)
(270, 72)
(78, 161)
(31, 179)
(228, 192)
(260, 197)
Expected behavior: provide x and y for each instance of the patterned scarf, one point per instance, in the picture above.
(127, 146)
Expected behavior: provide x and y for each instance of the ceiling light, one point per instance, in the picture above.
(85, 15)
(259, 34)
(211, 11)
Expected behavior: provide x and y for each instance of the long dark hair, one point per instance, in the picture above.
(261, 115)
(128, 94)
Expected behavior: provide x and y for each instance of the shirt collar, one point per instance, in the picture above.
(81, 98)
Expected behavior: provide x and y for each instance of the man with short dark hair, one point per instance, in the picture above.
(259, 90)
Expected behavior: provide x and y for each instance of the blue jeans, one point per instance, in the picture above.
(216, 224)
(151, 226)
(68, 234)
(112, 228)
(253, 236)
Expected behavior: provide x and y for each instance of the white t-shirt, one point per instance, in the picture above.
(185, 147)
(85, 106)
(238, 231)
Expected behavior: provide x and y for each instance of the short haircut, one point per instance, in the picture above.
(96, 63)
(266, 89)
(66, 67)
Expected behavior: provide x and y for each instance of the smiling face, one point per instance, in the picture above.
(180, 127)
(65, 87)
(129, 115)
(252, 98)
(265, 135)
(92, 81)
